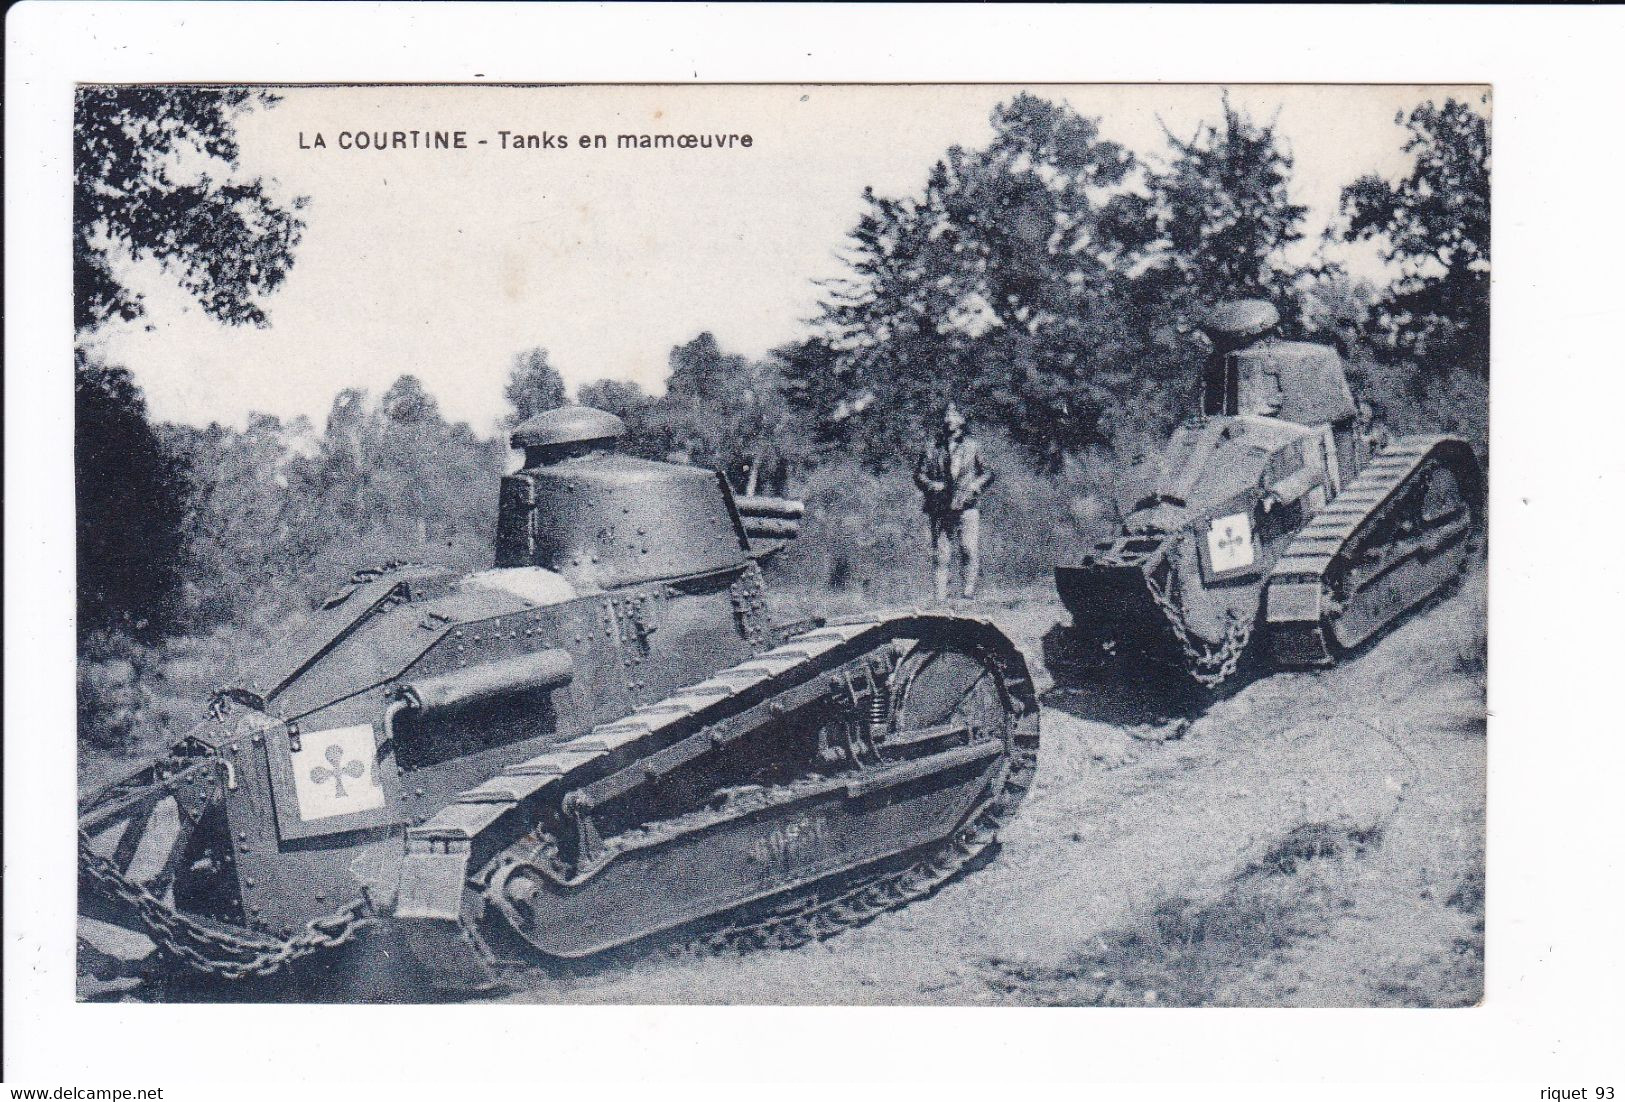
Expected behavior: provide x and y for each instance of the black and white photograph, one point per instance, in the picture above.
(956, 550)
(656, 544)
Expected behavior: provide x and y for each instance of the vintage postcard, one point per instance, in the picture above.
(781, 544)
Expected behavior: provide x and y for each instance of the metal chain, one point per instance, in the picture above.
(1209, 666)
(214, 950)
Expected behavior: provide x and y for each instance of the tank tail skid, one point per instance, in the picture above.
(1113, 611)
(899, 803)
(1398, 534)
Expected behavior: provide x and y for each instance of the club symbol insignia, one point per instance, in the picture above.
(321, 774)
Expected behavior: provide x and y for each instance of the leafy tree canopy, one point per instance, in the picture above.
(996, 287)
(1224, 215)
(408, 402)
(625, 400)
(284, 513)
(157, 175)
(1435, 225)
(534, 386)
(725, 411)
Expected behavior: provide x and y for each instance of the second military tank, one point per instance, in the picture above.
(1276, 517)
(603, 738)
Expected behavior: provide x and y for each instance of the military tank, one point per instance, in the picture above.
(601, 739)
(1279, 513)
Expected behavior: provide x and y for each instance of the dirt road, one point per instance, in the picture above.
(1314, 840)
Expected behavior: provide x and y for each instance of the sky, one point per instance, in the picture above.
(445, 263)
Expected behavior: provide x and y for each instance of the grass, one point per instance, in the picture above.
(1187, 952)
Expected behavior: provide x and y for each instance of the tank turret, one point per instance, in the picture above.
(1252, 372)
(605, 520)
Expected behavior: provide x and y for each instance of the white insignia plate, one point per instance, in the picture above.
(335, 772)
(1230, 543)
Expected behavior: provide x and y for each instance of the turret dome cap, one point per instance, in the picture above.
(1240, 320)
(568, 425)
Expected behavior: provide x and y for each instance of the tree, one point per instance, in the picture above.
(130, 493)
(725, 411)
(998, 287)
(1434, 224)
(406, 402)
(893, 349)
(281, 515)
(1226, 217)
(244, 535)
(534, 386)
(156, 175)
(1334, 308)
(628, 402)
(815, 385)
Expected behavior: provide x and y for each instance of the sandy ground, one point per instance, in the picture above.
(1313, 840)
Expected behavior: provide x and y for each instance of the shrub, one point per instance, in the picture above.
(115, 696)
(865, 531)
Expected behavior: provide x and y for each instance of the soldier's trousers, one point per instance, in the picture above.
(964, 529)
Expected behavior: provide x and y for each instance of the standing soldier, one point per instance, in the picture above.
(952, 475)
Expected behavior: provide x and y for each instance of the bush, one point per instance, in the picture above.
(115, 699)
(864, 532)
(1408, 400)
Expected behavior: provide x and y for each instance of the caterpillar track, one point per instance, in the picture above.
(1397, 535)
(511, 863)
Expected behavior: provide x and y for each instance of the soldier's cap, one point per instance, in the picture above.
(568, 425)
(1240, 320)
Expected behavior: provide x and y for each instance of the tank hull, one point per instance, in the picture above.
(569, 875)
